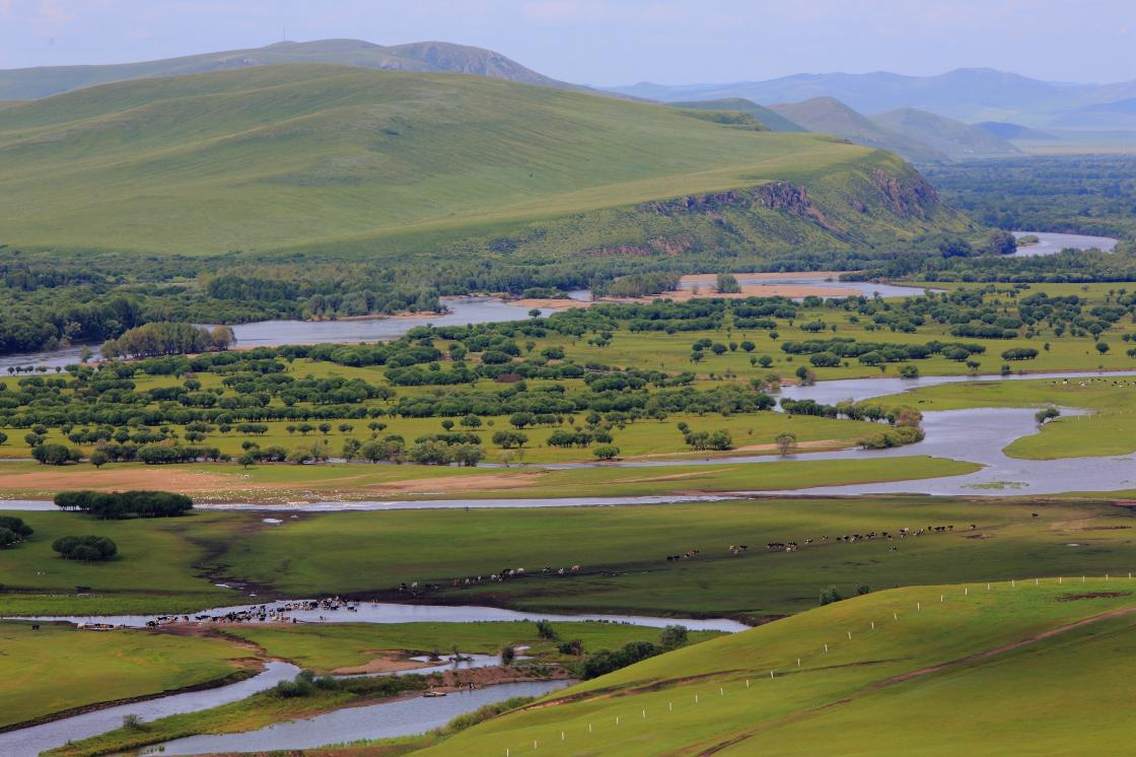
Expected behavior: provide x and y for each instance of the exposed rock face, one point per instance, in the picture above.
(775, 195)
(908, 196)
(789, 198)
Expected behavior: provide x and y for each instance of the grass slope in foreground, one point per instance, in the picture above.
(381, 163)
(1013, 669)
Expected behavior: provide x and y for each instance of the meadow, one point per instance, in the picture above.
(1008, 666)
(172, 564)
(101, 667)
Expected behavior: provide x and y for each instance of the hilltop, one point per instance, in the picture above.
(828, 115)
(350, 161)
(421, 57)
(770, 118)
(956, 140)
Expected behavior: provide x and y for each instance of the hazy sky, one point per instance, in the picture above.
(613, 41)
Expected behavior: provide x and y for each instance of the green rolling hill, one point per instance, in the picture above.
(940, 670)
(956, 140)
(830, 116)
(348, 161)
(771, 119)
(422, 57)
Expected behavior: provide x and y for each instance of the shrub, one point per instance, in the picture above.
(16, 526)
(830, 595)
(85, 548)
(545, 630)
(8, 538)
(606, 452)
(604, 662)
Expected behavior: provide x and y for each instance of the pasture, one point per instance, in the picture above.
(172, 565)
(1009, 666)
(100, 667)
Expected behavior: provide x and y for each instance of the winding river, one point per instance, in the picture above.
(378, 721)
(1050, 243)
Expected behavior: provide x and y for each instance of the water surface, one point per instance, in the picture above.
(33, 740)
(378, 721)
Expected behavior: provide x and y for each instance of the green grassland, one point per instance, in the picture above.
(330, 647)
(283, 484)
(1009, 669)
(60, 668)
(344, 160)
(1108, 429)
(171, 565)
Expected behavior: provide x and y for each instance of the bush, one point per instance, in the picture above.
(85, 548)
(8, 538)
(545, 630)
(16, 526)
(830, 595)
(606, 452)
(604, 662)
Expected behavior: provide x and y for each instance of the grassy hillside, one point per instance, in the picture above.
(352, 161)
(956, 140)
(770, 118)
(993, 669)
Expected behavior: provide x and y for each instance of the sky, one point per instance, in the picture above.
(614, 41)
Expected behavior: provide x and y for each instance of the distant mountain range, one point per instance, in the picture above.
(965, 94)
(421, 57)
(917, 135)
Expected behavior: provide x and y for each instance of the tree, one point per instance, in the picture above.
(247, 459)
(508, 655)
(673, 636)
(351, 449)
(728, 284)
(99, 458)
(786, 443)
(955, 247)
(1102, 347)
(1000, 242)
(55, 454)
